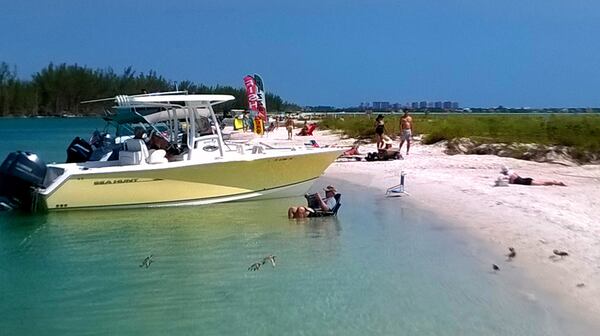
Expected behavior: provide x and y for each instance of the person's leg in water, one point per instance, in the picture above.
(297, 212)
(292, 212)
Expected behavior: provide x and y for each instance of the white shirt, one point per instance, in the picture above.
(330, 202)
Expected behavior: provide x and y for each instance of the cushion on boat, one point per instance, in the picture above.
(157, 156)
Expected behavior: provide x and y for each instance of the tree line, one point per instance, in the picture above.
(58, 89)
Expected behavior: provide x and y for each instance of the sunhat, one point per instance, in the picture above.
(330, 188)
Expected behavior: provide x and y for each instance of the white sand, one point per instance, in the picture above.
(532, 219)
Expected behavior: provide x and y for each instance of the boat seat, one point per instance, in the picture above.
(134, 152)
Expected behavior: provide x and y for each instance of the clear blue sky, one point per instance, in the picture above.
(535, 53)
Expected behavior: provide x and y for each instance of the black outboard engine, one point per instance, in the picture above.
(79, 151)
(19, 174)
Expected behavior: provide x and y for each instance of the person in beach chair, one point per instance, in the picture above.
(318, 206)
(307, 130)
(514, 178)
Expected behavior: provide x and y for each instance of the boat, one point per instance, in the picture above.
(195, 166)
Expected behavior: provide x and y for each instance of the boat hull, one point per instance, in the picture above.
(188, 183)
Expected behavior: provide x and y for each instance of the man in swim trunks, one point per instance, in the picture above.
(514, 178)
(406, 129)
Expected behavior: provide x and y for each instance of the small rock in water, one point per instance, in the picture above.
(581, 284)
(495, 267)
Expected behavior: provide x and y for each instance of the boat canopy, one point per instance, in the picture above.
(152, 109)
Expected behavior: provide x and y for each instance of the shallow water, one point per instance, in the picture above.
(379, 268)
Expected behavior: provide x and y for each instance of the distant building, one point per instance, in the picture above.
(414, 105)
(382, 105)
(455, 105)
(447, 105)
(423, 105)
(438, 105)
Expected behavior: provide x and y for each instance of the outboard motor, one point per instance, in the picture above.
(19, 174)
(78, 151)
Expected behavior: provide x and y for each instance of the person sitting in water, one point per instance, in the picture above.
(514, 178)
(316, 203)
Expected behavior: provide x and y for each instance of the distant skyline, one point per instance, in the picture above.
(481, 53)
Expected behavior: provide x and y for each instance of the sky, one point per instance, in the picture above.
(480, 53)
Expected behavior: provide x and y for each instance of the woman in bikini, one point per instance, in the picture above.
(379, 130)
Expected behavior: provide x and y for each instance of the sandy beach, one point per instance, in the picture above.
(534, 220)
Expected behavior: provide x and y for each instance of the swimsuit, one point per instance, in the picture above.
(523, 181)
(379, 128)
(406, 134)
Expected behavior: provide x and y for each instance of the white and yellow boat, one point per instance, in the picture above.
(198, 167)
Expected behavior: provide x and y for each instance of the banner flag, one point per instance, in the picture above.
(262, 97)
(256, 95)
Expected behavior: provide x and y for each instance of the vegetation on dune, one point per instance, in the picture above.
(581, 132)
(58, 89)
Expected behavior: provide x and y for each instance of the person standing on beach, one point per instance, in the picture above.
(245, 122)
(379, 130)
(406, 131)
(289, 126)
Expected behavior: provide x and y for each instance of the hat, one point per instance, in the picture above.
(387, 140)
(330, 188)
(504, 170)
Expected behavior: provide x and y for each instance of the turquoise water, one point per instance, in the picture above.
(381, 267)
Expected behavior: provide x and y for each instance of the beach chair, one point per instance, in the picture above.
(332, 212)
(397, 190)
(310, 129)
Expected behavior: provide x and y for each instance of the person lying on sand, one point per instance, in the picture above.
(514, 178)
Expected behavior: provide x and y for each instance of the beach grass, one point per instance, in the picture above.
(580, 132)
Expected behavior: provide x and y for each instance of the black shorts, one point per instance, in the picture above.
(524, 181)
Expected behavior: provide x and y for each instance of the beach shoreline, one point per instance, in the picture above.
(534, 220)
